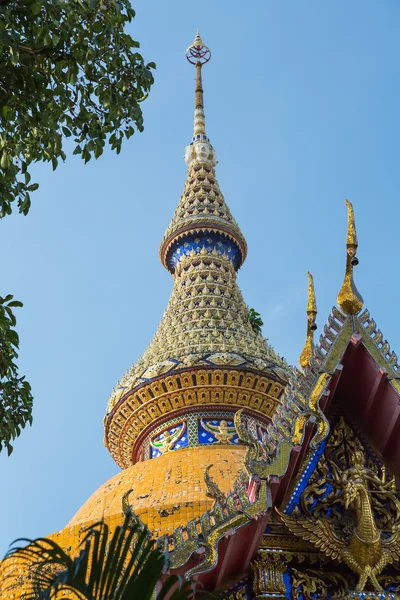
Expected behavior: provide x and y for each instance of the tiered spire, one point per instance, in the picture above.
(202, 206)
(203, 247)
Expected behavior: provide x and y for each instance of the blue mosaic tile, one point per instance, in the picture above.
(196, 242)
(181, 442)
(206, 437)
(295, 497)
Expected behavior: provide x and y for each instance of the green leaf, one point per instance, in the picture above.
(16, 303)
(5, 161)
(66, 132)
(36, 7)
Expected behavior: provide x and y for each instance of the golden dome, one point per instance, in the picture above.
(169, 492)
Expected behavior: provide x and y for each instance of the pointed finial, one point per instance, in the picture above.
(311, 325)
(349, 299)
(198, 52)
(200, 148)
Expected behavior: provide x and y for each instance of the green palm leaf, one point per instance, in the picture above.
(124, 565)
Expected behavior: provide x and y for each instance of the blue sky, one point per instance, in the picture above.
(302, 104)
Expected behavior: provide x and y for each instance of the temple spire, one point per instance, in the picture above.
(349, 299)
(311, 325)
(202, 214)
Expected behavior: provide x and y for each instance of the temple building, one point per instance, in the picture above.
(265, 480)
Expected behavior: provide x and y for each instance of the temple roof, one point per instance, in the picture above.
(352, 358)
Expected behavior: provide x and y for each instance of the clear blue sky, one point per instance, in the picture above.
(302, 103)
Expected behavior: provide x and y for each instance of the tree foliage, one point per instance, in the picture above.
(68, 69)
(15, 392)
(255, 320)
(123, 565)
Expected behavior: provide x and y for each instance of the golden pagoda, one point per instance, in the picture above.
(258, 480)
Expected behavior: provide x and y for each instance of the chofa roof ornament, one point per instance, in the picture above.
(311, 325)
(349, 298)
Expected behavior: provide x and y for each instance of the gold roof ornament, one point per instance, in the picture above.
(349, 298)
(311, 325)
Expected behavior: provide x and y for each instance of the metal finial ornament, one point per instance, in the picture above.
(198, 52)
(308, 349)
(349, 298)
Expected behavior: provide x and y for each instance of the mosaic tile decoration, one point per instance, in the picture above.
(196, 242)
(191, 435)
(181, 442)
(206, 435)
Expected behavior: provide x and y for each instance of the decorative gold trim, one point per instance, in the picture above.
(229, 387)
(287, 542)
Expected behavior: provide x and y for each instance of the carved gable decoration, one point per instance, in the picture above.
(342, 458)
(344, 514)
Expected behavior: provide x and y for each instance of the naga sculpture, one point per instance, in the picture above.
(367, 552)
(213, 490)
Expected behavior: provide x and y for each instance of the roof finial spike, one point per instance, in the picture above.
(200, 149)
(349, 299)
(308, 349)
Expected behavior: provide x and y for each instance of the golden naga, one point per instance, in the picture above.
(222, 432)
(367, 553)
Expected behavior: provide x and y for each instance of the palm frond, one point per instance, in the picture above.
(121, 565)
